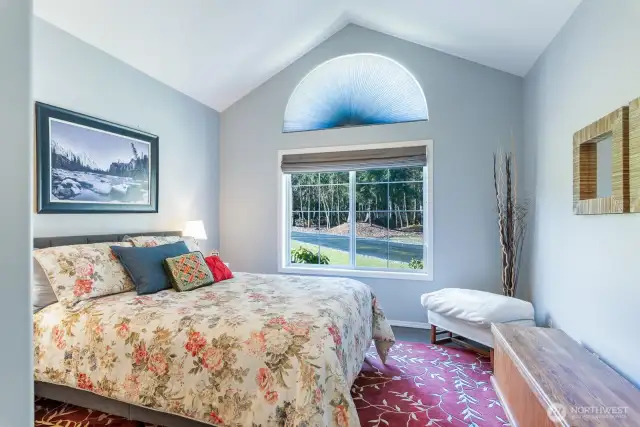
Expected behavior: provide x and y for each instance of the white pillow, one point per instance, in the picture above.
(41, 291)
(476, 306)
(192, 244)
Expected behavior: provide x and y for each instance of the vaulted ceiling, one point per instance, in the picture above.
(217, 51)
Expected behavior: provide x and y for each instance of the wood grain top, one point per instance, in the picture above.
(563, 374)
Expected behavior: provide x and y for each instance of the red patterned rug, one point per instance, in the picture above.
(55, 414)
(421, 385)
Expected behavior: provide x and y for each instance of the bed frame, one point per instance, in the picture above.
(47, 242)
(87, 399)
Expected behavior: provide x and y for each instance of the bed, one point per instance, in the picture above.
(253, 350)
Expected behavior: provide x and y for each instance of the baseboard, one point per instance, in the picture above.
(405, 324)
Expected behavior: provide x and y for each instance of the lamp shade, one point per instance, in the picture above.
(195, 229)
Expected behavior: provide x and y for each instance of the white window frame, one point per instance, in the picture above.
(284, 256)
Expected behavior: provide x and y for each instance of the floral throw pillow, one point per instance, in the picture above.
(150, 241)
(188, 272)
(81, 272)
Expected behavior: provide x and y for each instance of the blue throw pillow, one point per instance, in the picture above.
(146, 265)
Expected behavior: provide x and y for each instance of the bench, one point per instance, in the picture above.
(465, 316)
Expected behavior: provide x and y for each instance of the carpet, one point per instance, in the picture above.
(427, 385)
(421, 385)
(49, 413)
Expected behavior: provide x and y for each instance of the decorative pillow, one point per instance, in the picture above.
(188, 272)
(218, 268)
(81, 272)
(145, 265)
(151, 241)
(42, 294)
(191, 243)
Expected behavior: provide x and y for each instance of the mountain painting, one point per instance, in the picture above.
(96, 166)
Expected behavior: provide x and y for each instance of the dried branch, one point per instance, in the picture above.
(512, 225)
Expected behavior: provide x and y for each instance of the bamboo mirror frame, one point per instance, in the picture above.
(634, 154)
(585, 165)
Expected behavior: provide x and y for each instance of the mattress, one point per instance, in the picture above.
(255, 349)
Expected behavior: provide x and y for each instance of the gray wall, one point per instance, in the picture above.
(72, 74)
(585, 269)
(16, 357)
(472, 109)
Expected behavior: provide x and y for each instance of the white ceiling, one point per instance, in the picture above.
(217, 51)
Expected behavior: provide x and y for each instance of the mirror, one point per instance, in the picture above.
(604, 183)
(601, 165)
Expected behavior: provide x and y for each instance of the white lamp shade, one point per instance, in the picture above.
(195, 229)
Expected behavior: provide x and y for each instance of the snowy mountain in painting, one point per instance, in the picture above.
(76, 176)
(82, 159)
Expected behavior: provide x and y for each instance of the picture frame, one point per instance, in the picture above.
(90, 165)
(585, 165)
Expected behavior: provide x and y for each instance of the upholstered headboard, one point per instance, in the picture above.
(47, 242)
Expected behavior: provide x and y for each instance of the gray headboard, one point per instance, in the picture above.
(47, 242)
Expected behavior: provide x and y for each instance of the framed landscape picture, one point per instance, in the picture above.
(89, 165)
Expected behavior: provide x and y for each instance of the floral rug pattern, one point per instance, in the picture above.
(430, 385)
(49, 413)
(421, 385)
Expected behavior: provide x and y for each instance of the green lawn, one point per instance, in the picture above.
(337, 257)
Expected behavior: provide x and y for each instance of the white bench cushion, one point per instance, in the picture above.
(478, 307)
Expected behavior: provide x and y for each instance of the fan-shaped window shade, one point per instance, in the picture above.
(355, 90)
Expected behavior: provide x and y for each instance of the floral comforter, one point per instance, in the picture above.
(256, 350)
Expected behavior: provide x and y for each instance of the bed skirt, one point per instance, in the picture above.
(90, 400)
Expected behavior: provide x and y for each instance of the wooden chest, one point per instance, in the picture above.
(545, 378)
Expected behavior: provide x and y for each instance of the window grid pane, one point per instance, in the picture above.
(373, 220)
(388, 182)
(372, 240)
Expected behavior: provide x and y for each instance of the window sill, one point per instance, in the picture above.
(348, 272)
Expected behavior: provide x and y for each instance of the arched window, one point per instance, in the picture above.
(355, 90)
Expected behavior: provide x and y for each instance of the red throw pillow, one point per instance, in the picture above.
(218, 268)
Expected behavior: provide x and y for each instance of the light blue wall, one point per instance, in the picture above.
(585, 269)
(472, 109)
(16, 356)
(69, 73)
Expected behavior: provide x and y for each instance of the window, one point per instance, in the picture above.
(366, 220)
(355, 90)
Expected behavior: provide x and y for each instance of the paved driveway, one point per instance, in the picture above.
(403, 252)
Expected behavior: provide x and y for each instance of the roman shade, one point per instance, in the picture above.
(337, 161)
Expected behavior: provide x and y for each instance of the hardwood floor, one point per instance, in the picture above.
(411, 334)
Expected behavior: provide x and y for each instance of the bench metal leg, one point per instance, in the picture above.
(441, 336)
